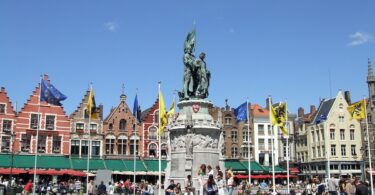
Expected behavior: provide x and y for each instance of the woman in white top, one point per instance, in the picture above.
(220, 183)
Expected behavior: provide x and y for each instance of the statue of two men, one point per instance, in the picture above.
(196, 75)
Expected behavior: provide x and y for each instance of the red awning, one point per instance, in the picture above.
(279, 176)
(13, 171)
(294, 170)
(38, 172)
(253, 176)
(74, 173)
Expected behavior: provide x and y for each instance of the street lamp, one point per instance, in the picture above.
(13, 136)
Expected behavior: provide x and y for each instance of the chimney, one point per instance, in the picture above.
(312, 109)
(101, 111)
(268, 100)
(301, 112)
(347, 97)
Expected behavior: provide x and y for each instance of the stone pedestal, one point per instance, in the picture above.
(195, 139)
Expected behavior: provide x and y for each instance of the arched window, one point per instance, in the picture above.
(164, 150)
(152, 150)
(156, 117)
(152, 133)
(228, 119)
(122, 124)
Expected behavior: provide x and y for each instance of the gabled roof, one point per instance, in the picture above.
(323, 110)
(259, 111)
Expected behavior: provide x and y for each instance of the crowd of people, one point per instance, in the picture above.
(209, 182)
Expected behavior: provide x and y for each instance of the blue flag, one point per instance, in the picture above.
(320, 118)
(241, 112)
(50, 94)
(137, 109)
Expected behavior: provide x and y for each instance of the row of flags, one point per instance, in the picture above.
(52, 95)
(278, 115)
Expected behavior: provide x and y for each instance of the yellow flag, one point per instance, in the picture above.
(279, 115)
(162, 114)
(91, 107)
(357, 110)
(171, 110)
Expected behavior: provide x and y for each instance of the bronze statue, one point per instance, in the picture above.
(196, 75)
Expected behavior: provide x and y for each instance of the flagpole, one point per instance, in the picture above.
(328, 153)
(134, 149)
(248, 140)
(37, 134)
(159, 140)
(368, 149)
(272, 145)
(88, 141)
(287, 147)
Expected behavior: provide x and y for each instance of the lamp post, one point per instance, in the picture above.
(13, 136)
(363, 164)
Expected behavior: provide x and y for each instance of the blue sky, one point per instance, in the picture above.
(254, 49)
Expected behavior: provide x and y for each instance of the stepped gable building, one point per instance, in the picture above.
(235, 135)
(150, 125)
(53, 126)
(7, 123)
(333, 137)
(120, 129)
(84, 136)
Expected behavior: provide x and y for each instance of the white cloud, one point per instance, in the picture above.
(359, 38)
(111, 26)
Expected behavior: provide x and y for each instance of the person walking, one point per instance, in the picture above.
(28, 187)
(102, 189)
(210, 186)
(230, 183)
(220, 183)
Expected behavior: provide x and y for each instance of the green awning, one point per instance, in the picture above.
(5, 160)
(27, 161)
(139, 165)
(81, 164)
(236, 165)
(153, 165)
(116, 165)
(278, 169)
(255, 166)
(53, 162)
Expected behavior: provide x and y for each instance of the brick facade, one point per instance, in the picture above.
(54, 127)
(7, 123)
(119, 134)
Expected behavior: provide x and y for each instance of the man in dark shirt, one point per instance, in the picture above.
(169, 190)
(101, 188)
(361, 188)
